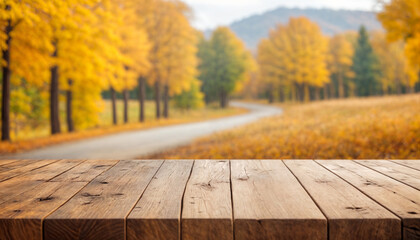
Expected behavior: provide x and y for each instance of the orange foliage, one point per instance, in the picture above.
(375, 128)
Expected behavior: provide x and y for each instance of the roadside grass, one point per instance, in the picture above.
(40, 137)
(364, 128)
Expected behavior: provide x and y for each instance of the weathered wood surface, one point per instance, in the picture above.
(187, 199)
(268, 203)
(351, 214)
(399, 198)
(207, 210)
(99, 210)
(20, 167)
(409, 163)
(157, 214)
(31, 179)
(396, 171)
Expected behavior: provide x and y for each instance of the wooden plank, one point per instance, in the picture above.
(207, 207)
(157, 214)
(99, 210)
(351, 214)
(269, 203)
(6, 161)
(17, 164)
(21, 216)
(21, 169)
(25, 182)
(402, 200)
(409, 163)
(396, 171)
(12, 164)
(86, 171)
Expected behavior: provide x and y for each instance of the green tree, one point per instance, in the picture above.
(365, 66)
(223, 64)
(191, 99)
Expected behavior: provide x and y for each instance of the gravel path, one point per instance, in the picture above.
(129, 145)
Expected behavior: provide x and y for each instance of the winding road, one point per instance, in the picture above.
(129, 145)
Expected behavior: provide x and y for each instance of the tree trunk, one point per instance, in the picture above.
(114, 106)
(340, 86)
(142, 94)
(306, 92)
(223, 99)
(69, 109)
(293, 93)
(410, 89)
(125, 96)
(398, 88)
(298, 92)
(270, 96)
(54, 107)
(281, 95)
(325, 91)
(332, 90)
(317, 91)
(157, 99)
(5, 103)
(166, 101)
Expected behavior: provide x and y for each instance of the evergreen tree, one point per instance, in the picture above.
(365, 66)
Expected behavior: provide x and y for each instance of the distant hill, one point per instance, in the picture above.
(253, 28)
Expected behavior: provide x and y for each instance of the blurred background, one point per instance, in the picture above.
(305, 79)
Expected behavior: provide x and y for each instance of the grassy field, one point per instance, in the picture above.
(371, 128)
(40, 137)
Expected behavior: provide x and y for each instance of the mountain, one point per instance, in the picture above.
(253, 28)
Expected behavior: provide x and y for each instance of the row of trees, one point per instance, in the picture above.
(72, 51)
(298, 63)
(83, 47)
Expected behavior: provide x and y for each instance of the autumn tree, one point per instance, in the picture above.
(365, 66)
(294, 59)
(340, 63)
(224, 62)
(18, 20)
(78, 64)
(401, 20)
(396, 72)
(134, 48)
(172, 55)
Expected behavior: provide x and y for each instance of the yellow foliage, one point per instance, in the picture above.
(295, 54)
(373, 128)
(401, 20)
(395, 69)
(173, 49)
(340, 62)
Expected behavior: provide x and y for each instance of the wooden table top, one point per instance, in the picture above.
(210, 199)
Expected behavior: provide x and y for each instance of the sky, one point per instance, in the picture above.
(211, 13)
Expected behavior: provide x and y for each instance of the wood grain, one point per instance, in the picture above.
(157, 214)
(409, 163)
(99, 210)
(207, 208)
(402, 200)
(396, 171)
(25, 167)
(13, 164)
(86, 171)
(5, 162)
(29, 180)
(269, 203)
(21, 216)
(351, 214)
